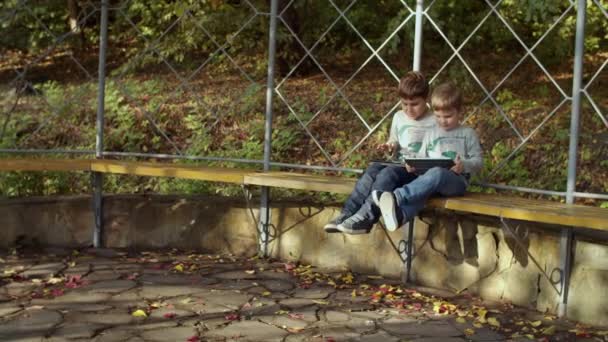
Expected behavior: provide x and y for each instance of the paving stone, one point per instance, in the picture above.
(37, 322)
(420, 328)
(57, 251)
(169, 334)
(8, 308)
(73, 297)
(306, 335)
(148, 324)
(77, 330)
(103, 252)
(114, 335)
(175, 313)
(234, 275)
(230, 299)
(19, 289)
(338, 333)
(155, 291)
(107, 318)
(260, 307)
(112, 286)
(373, 315)
(312, 293)
(380, 336)
(284, 321)
(277, 285)
(248, 331)
(44, 270)
(481, 334)
(439, 339)
(296, 303)
(125, 299)
(104, 275)
(168, 279)
(239, 285)
(4, 297)
(270, 274)
(336, 316)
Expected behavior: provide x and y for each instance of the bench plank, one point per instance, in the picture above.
(45, 165)
(214, 174)
(300, 181)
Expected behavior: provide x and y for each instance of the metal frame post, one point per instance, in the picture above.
(263, 229)
(566, 240)
(97, 176)
(418, 35)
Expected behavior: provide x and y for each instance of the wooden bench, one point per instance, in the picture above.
(567, 216)
(498, 205)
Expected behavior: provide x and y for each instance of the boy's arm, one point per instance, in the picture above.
(393, 138)
(474, 160)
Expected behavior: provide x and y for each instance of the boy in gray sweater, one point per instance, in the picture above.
(447, 140)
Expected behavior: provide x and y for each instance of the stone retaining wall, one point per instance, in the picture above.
(451, 252)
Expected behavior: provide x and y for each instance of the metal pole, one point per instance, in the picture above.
(409, 250)
(577, 80)
(264, 205)
(566, 241)
(418, 35)
(97, 176)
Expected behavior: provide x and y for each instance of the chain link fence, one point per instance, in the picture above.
(188, 81)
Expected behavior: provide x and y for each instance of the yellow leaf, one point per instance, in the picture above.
(529, 336)
(481, 313)
(266, 293)
(461, 320)
(478, 325)
(354, 293)
(179, 268)
(374, 277)
(250, 271)
(469, 332)
(139, 313)
(549, 330)
(321, 302)
(602, 333)
(493, 322)
(536, 323)
(281, 312)
(462, 313)
(186, 300)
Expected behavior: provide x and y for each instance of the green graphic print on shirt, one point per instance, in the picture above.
(413, 135)
(447, 147)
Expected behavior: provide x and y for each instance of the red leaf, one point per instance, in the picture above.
(232, 317)
(193, 339)
(57, 292)
(169, 315)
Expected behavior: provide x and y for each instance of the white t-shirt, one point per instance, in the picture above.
(408, 133)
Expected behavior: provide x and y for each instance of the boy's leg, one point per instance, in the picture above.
(405, 202)
(363, 220)
(357, 198)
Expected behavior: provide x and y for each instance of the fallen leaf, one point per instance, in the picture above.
(179, 268)
(374, 277)
(186, 300)
(295, 316)
(295, 330)
(232, 317)
(469, 332)
(170, 315)
(536, 323)
(281, 312)
(139, 313)
(494, 322)
(478, 325)
(193, 339)
(549, 330)
(266, 293)
(250, 271)
(461, 320)
(57, 292)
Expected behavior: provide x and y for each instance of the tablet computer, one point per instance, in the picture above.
(424, 164)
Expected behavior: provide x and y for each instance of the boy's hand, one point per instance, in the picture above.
(387, 147)
(458, 166)
(409, 168)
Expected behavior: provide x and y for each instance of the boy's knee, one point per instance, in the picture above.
(436, 172)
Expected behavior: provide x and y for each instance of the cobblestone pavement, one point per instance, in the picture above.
(106, 295)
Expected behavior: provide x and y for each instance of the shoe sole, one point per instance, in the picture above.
(387, 208)
(352, 231)
(331, 228)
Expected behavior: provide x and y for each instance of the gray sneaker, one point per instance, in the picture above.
(332, 226)
(356, 224)
(376, 197)
(391, 213)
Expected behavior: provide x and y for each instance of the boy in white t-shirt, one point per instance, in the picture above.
(407, 131)
(449, 139)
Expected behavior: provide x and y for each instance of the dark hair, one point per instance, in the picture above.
(413, 84)
(446, 96)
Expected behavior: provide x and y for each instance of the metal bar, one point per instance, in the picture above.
(523, 247)
(264, 207)
(577, 81)
(521, 189)
(18, 151)
(409, 250)
(418, 35)
(98, 176)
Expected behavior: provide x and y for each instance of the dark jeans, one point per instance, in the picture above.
(376, 177)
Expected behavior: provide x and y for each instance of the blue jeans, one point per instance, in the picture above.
(411, 197)
(376, 177)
